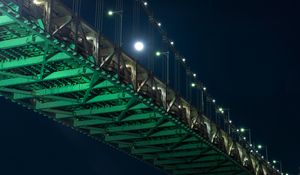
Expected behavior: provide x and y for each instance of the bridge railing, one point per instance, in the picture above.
(75, 34)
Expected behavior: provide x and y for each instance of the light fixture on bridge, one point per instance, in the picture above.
(158, 53)
(221, 110)
(139, 46)
(230, 121)
(204, 88)
(159, 24)
(183, 60)
(194, 75)
(172, 43)
(39, 2)
(259, 146)
(193, 85)
(145, 3)
(110, 13)
(214, 101)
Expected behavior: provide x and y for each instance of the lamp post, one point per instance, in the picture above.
(243, 130)
(167, 54)
(280, 165)
(266, 149)
(120, 13)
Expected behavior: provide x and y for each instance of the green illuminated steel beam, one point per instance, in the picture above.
(160, 141)
(97, 99)
(186, 146)
(204, 165)
(157, 134)
(32, 61)
(190, 153)
(137, 127)
(205, 159)
(19, 42)
(53, 76)
(134, 117)
(5, 20)
(63, 90)
(93, 111)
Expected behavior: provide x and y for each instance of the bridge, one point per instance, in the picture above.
(56, 64)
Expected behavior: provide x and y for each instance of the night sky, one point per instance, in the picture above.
(246, 53)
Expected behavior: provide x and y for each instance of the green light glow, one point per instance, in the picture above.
(158, 53)
(110, 13)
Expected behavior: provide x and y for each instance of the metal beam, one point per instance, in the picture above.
(161, 141)
(93, 111)
(62, 90)
(137, 127)
(19, 42)
(206, 157)
(157, 134)
(5, 20)
(97, 99)
(53, 76)
(174, 154)
(32, 61)
(203, 165)
(134, 117)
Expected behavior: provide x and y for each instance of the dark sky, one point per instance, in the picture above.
(246, 53)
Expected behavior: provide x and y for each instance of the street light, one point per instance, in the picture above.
(120, 13)
(280, 165)
(243, 130)
(167, 54)
(266, 149)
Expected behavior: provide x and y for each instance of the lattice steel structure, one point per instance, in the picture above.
(56, 64)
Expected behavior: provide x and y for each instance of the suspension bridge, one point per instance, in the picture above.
(56, 64)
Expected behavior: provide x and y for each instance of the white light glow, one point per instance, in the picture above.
(139, 46)
(38, 2)
(110, 13)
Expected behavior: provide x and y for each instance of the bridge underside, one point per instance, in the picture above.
(38, 72)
